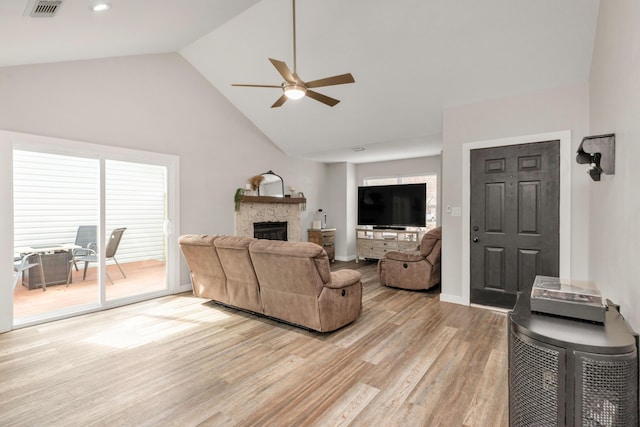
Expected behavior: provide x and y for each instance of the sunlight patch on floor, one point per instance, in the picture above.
(144, 329)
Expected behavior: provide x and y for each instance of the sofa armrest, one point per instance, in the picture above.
(408, 256)
(434, 256)
(343, 278)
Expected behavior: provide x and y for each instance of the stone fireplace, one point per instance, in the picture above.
(264, 209)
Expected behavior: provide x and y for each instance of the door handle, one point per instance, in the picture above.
(475, 240)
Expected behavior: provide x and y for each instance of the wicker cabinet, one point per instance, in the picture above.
(326, 238)
(56, 270)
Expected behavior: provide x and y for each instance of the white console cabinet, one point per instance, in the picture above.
(373, 244)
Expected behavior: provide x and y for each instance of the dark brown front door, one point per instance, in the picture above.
(514, 220)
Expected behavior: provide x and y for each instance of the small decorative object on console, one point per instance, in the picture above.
(578, 300)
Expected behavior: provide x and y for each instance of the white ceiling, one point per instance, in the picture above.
(410, 58)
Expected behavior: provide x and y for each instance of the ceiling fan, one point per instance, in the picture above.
(294, 87)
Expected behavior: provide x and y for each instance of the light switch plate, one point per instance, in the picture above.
(456, 211)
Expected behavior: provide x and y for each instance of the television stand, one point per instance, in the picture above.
(373, 243)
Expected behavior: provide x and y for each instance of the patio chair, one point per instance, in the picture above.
(22, 264)
(86, 237)
(92, 255)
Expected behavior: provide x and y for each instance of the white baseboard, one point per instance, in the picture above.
(455, 299)
(496, 309)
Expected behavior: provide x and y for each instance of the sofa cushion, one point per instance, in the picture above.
(410, 256)
(343, 278)
(429, 241)
(290, 280)
(297, 250)
(434, 256)
(242, 284)
(409, 275)
(207, 276)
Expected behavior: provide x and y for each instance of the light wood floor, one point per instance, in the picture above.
(409, 360)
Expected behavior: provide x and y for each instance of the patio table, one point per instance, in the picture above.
(54, 258)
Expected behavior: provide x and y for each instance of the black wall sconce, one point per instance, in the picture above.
(599, 152)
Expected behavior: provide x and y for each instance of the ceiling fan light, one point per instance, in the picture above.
(295, 91)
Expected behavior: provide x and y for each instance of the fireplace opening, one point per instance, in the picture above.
(270, 230)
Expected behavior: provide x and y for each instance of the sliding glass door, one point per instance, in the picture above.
(94, 228)
(52, 196)
(135, 219)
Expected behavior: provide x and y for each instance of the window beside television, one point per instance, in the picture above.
(398, 202)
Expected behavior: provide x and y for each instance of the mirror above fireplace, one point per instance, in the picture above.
(272, 185)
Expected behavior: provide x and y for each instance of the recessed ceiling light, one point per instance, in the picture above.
(101, 6)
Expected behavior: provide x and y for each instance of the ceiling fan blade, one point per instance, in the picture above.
(280, 101)
(331, 81)
(322, 98)
(243, 85)
(283, 70)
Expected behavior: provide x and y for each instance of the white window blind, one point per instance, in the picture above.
(135, 199)
(54, 194)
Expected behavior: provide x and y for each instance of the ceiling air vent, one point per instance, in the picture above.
(43, 8)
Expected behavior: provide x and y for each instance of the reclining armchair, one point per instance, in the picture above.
(419, 269)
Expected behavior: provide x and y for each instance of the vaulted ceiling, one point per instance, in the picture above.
(411, 59)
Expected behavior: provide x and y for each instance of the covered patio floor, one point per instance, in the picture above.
(142, 277)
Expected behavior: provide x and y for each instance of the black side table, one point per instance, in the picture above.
(570, 372)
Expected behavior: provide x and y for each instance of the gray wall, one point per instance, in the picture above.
(340, 208)
(416, 166)
(614, 223)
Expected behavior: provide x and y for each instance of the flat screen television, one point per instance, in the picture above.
(393, 206)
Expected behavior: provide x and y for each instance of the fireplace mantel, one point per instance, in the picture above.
(270, 199)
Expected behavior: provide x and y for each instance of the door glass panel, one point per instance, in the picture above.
(53, 196)
(135, 218)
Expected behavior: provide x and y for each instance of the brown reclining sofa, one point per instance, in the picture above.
(288, 281)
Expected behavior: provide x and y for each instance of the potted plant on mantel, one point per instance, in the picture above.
(237, 198)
